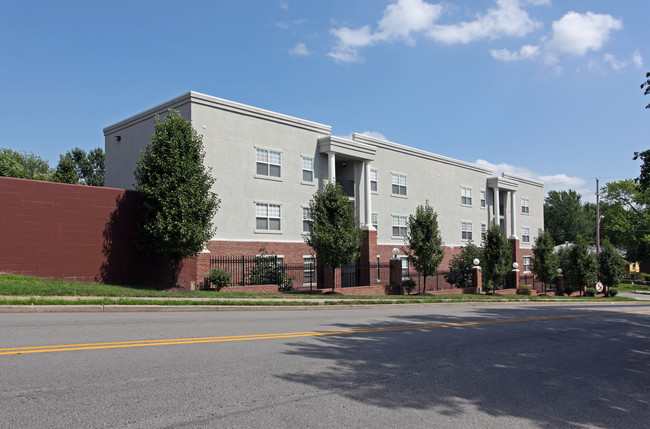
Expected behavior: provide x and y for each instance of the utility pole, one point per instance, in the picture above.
(597, 218)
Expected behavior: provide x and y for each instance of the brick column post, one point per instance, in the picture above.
(477, 279)
(515, 275)
(516, 252)
(396, 276)
(559, 287)
(368, 254)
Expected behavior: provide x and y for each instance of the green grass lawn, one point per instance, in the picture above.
(45, 292)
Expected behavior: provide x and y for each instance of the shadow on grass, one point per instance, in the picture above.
(565, 372)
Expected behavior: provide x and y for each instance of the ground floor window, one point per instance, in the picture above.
(527, 262)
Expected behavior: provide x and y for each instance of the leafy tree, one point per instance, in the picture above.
(269, 269)
(334, 232)
(545, 262)
(78, 167)
(177, 202)
(23, 165)
(583, 266)
(460, 266)
(565, 217)
(644, 177)
(497, 256)
(424, 241)
(611, 266)
(626, 217)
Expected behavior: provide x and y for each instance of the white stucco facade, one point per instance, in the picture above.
(236, 137)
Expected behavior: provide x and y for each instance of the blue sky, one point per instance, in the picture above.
(547, 89)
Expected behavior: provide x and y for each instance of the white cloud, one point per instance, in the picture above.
(552, 182)
(538, 2)
(573, 35)
(508, 19)
(300, 50)
(637, 59)
(610, 61)
(404, 19)
(283, 5)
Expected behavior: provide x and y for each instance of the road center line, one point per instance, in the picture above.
(176, 341)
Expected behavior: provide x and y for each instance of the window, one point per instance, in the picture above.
(405, 267)
(466, 230)
(399, 184)
(378, 269)
(525, 206)
(526, 264)
(373, 180)
(466, 196)
(483, 200)
(373, 220)
(267, 217)
(269, 163)
(309, 270)
(399, 226)
(306, 219)
(307, 169)
(483, 231)
(525, 235)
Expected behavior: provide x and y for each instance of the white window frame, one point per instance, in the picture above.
(527, 266)
(307, 272)
(525, 233)
(401, 181)
(268, 163)
(374, 220)
(466, 231)
(465, 196)
(399, 225)
(483, 197)
(525, 206)
(375, 182)
(268, 217)
(483, 232)
(305, 220)
(308, 170)
(405, 266)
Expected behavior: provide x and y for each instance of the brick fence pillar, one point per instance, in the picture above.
(396, 275)
(477, 279)
(559, 288)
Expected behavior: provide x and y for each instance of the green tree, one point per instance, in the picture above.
(644, 177)
(425, 247)
(497, 256)
(23, 165)
(611, 266)
(334, 231)
(565, 217)
(78, 167)
(177, 202)
(460, 266)
(583, 266)
(626, 218)
(544, 262)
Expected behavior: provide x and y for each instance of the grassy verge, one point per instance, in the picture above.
(46, 292)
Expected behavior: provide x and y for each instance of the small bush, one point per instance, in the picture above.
(219, 278)
(568, 290)
(409, 285)
(524, 290)
(644, 276)
(487, 286)
(612, 291)
(591, 291)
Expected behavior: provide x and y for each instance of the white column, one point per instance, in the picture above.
(497, 215)
(366, 173)
(331, 167)
(513, 215)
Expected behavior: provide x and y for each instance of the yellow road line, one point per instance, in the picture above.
(175, 341)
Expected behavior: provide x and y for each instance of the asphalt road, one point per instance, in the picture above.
(488, 366)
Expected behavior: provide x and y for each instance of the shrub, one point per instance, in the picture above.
(409, 285)
(219, 278)
(568, 289)
(612, 291)
(591, 291)
(487, 286)
(644, 276)
(524, 290)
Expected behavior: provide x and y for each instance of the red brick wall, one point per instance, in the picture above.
(82, 233)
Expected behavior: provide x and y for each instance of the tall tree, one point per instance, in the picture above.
(565, 217)
(497, 256)
(23, 165)
(424, 241)
(611, 267)
(334, 231)
(545, 261)
(460, 266)
(78, 167)
(178, 204)
(626, 218)
(644, 176)
(582, 269)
